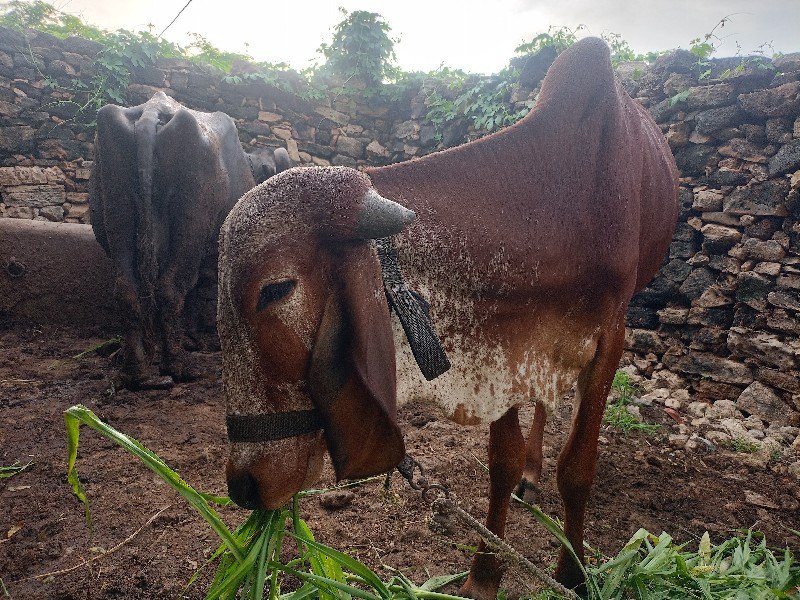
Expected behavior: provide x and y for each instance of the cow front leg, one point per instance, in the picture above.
(528, 487)
(578, 459)
(506, 461)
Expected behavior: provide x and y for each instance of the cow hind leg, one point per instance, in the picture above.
(506, 461)
(135, 355)
(174, 360)
(578, 458)
(176, 281)
(528, 488)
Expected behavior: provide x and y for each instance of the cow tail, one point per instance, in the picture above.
(145, 136)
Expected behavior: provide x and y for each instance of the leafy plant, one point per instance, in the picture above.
(740, 444)
(203, 51)
(648, 567)
(361, 48)
(679, 97)
(654, 567)
(622, 52)
(558, 38)
(484, 103)
(249, 557)
(617, 414)
(20, 15)
(122, 52)
(704, 47)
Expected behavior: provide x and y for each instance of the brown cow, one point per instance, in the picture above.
(164, 178)
(529, 245)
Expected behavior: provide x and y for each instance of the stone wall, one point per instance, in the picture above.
(721, 316)
(723, 311)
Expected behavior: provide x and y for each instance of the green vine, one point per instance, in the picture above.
(485, 104)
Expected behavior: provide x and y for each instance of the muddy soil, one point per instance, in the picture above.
(154, 542)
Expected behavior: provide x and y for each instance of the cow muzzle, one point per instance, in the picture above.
(273, 456)
(243, 490)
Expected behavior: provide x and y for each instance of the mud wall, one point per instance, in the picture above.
(721, 314)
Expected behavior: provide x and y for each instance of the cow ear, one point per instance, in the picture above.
(352, 373)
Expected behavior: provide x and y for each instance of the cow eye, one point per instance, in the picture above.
(272, 292)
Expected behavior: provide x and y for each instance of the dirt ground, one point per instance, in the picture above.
(45, 543)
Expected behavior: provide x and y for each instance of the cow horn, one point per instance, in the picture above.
(379, 217)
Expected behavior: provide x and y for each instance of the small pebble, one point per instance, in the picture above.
(336, 499)
(697, 409)
(678, 440)
(673, 403)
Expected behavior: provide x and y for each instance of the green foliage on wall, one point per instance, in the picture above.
(359, 61)
(361, 47)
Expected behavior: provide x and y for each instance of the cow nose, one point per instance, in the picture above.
(243, 490)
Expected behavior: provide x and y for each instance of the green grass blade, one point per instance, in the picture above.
(114, 340)
(327, 583)
(76, 415)
(73, 425)
(261, 568)
(353, 565)
(403, 584)
(320, 563)
(554, 528)
(306, 591)
(14, 469)
(437, 583)
(234, 579)
(276, 541)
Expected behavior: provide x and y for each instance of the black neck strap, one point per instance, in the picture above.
(275, 426)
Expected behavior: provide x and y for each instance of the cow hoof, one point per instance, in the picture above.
(570, 575)
(478, 590)
(528, 491)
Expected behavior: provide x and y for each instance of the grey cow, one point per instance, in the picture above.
(164, 179)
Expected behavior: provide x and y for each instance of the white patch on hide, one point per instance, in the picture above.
(502, 352)
(483, 382)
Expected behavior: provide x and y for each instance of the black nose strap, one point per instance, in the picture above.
(275, 426)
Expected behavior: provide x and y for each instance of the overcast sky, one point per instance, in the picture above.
(466, 34)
